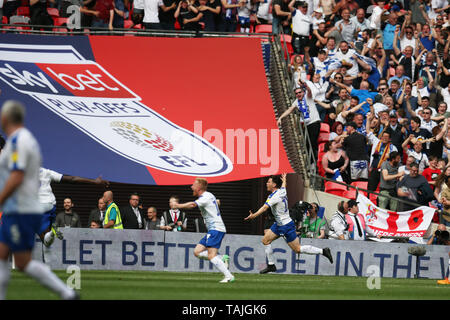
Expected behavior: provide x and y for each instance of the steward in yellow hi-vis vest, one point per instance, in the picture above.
(113, 219)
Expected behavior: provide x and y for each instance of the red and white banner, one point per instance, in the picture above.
(413, 223)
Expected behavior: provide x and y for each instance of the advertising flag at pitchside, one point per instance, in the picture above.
(157, 111)
(413, 223)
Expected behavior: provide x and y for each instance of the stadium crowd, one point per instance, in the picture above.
(372, 85)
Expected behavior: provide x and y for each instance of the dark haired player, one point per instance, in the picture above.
(283, 226)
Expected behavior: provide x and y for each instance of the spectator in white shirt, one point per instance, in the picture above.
(301, 25)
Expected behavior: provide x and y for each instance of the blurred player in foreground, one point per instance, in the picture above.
(209, 245)
(20, 161)
(283, 226)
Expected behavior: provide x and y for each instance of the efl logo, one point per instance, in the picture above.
(88, 97)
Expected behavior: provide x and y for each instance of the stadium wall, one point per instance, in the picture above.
(171, 251)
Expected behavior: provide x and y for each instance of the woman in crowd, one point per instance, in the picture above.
(333, 159)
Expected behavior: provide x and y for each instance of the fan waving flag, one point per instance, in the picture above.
(161, 118)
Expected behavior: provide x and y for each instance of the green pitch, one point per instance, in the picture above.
(198, 286)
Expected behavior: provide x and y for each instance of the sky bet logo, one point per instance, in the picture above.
(87, 96)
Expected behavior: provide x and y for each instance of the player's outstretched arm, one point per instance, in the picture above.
(283, 178)
(261, 210)
(76, 179)
(187, 205)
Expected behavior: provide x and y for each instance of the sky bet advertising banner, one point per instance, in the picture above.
(145, 110)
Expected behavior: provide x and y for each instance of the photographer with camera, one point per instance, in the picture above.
(313, 226)
(338, 224)
(440, 237)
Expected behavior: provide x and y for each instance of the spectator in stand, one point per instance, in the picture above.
(406, 59)
(95, 224)
(211, 14)
(174, 219)
(362, 93)
(410, 188)
(138, 12)
(263, 14)
(444, 217)
(68, 218)
(418, 132)
(334, 90)
(417, 152)
(335, 160)
(301, 25)
(229, 15)
(389, 31)
(38, 13)
(188, 16)
(151, 14)
(397, 131)
(390, 175)
(407, 167)
(405, 97)
(120, 13)
(399, 75)
(317, 19)
(99, 213)
(377, 13)
(132, 216)
(355, 146)
(337, 129)
(318, 89)
(432, 172)
(440, 185)
(381, 148)
(103, 14)
(346, 27)
(309, 114)
(152, 222)
(281, 14)
(166, 14)
(439, 140)
(360, 20)
(244, 12)
(327, 6)
(10, 7)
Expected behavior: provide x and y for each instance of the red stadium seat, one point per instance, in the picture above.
(263, 28)
(335, 188)
(322, 147)
(127, 24)
(288, 41)
(350, 194)
(53, 12)
(4, 20)
(362, 185)
(324, 127)
(323, 137)
(60, 21)
(23, 11)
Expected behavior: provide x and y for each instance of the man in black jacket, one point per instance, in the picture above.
(97, 214)
(174, 219)
(397, 131)
(132, 215)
